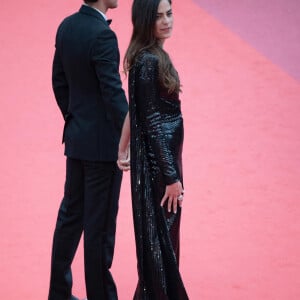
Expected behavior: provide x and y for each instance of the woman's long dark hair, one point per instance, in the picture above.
(143, 18)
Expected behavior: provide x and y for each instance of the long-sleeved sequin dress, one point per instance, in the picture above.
(156, 128)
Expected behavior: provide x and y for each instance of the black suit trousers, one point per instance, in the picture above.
(90, 205)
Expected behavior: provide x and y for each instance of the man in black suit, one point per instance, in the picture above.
(87, 87)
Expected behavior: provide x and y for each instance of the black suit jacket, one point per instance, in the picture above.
(87, 86)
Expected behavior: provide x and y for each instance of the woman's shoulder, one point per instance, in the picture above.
(146, 58)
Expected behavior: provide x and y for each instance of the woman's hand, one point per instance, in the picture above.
(174, 196)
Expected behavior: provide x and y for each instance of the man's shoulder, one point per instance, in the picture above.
(70, 17)
(67, 20)
(85, 23)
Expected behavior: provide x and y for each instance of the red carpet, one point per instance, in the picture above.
(240, 226)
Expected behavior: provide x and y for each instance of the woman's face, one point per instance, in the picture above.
(164, 21)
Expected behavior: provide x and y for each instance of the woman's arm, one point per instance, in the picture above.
(149, 110)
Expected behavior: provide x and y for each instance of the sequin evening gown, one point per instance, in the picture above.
(156, 128)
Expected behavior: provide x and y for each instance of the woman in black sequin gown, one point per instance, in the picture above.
(155, 131)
